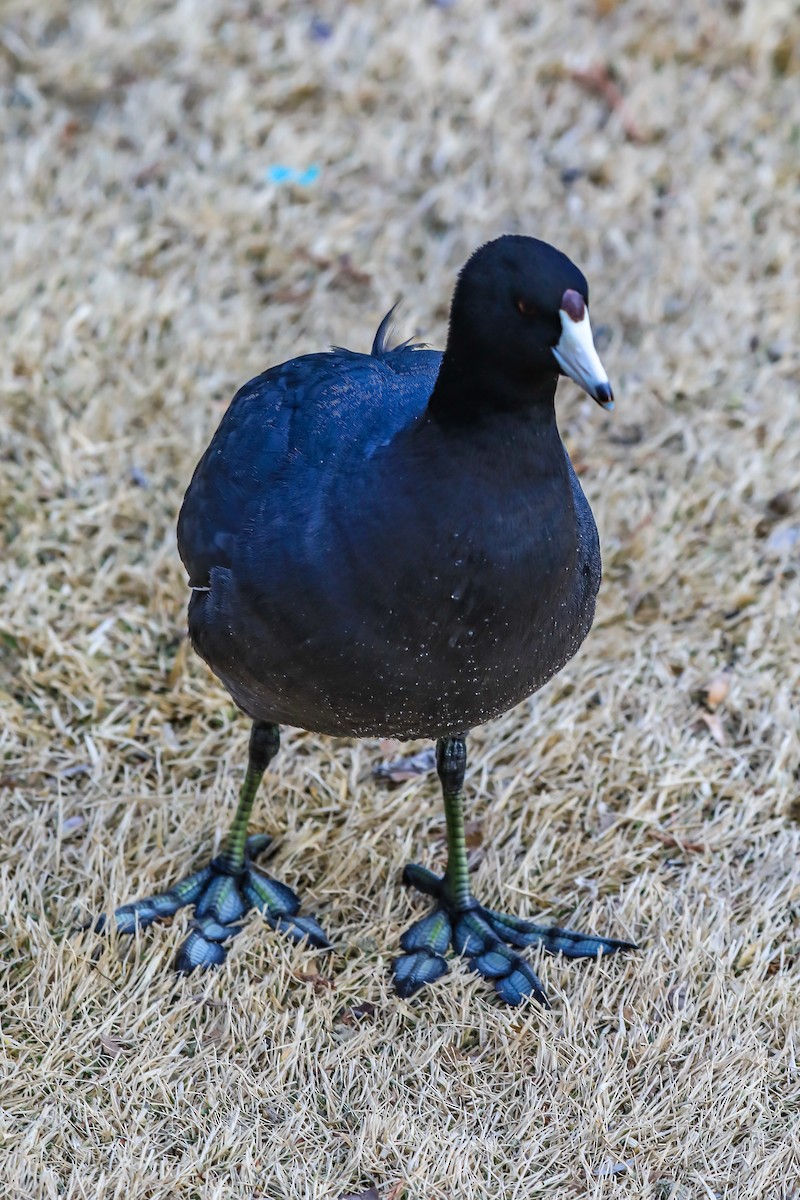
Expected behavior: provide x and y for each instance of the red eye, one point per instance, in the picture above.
(526, 309)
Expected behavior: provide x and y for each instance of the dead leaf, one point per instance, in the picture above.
(215, 1032)
(670, 1189)
(782, 503)
(154, 172)
(677, 998)
(609, 1167)
(112, 1045)
(475, 858)
(409, 767)
(320, 983)
(715, 728)
(370, 1194)
(356, 1014)
(606, 818)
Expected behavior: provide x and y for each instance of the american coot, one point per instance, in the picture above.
(396, 545)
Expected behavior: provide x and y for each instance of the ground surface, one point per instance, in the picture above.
(153, 258)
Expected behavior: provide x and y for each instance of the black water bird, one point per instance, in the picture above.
(396, 545)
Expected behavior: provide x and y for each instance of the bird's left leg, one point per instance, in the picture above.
(224, 890)
(459, 920)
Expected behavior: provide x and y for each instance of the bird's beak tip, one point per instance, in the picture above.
(604, 396)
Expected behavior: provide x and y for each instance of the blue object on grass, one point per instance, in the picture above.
(279, 173)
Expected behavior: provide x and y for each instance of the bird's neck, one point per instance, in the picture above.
(468, 389)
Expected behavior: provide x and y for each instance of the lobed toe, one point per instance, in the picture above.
(432, 933)
(198, 951)
(222, 899)
(472, 934)
(270, 896)
(300, 928)
(413, 971)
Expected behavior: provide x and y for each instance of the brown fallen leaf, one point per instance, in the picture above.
(320, 983)
(154, 172)
(356, 1014)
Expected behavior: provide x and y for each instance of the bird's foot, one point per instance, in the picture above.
(220, 900)
(484, 936)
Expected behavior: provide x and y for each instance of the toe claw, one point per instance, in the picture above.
(517, 932)
(413, 971)
(520, 982)
(300, 928)
(580, 945)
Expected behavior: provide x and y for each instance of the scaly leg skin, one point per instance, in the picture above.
(458, 920)
(230, 885)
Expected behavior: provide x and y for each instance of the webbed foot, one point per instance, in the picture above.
(484, 936)
(221, 898)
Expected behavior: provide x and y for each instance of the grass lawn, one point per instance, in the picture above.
(191, 192)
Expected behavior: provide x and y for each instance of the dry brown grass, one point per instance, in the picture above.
(147, 270)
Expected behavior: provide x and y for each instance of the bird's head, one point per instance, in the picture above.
(524, 306)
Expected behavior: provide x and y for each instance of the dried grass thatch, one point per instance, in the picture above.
(153, 258)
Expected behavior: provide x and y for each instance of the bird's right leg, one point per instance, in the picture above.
(491, 940)
(224, 890)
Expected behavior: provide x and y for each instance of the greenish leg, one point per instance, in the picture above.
(264, 745)
(451, 765)
(223, 891)
(459, 920)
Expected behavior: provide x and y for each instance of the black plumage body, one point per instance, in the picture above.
(380, 566)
